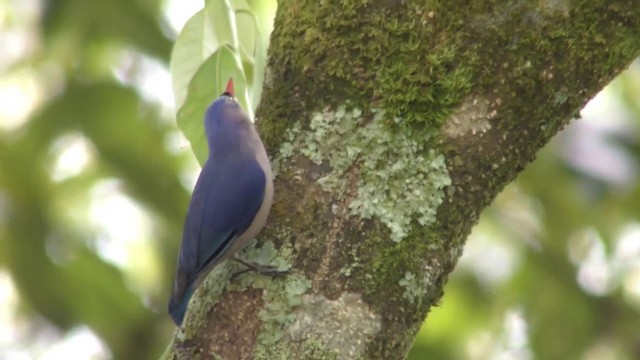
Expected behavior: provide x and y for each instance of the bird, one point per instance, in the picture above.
(230, 202)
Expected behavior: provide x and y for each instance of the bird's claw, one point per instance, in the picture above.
(260, 269)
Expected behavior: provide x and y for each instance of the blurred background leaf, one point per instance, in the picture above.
(95, 178)
(222, 64)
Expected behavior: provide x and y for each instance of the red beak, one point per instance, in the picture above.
(229, 89)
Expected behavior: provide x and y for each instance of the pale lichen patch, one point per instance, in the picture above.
(280, 294)
(344, 325)
(400, 179)
(414, 287)
(471, 117)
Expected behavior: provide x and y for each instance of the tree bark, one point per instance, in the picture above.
(392, 125)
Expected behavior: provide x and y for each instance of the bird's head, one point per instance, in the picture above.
(225, 118)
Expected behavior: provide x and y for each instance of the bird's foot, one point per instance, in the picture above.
(260, 269)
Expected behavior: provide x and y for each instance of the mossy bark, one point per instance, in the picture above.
(480, 84)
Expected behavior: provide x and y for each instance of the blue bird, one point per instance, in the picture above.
(230, 202)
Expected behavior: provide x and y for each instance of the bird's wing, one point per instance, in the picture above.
(223, 205)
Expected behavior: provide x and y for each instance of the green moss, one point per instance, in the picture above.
(388, 58)
(549, 69)
(385, 264)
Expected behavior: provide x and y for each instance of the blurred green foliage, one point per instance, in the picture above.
(52, 259)
(547, 273)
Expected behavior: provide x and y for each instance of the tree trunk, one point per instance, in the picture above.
(391, 125)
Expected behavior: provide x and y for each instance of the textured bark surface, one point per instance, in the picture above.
(481, 85)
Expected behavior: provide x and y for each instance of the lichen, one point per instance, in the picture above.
(471, 117)
(287, 149)
(400, 178)
(313, 349)
(415, 286)
(280, 294)
(340, 328)
(352, 264)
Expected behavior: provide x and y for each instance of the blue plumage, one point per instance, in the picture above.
(230, 202)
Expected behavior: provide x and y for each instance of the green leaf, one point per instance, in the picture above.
(253, 52)
(264, 11)
(206, 31)
(208, 83)
(221, 41)
(188, 54)
(219, 15)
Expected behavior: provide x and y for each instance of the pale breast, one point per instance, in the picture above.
(263, 212)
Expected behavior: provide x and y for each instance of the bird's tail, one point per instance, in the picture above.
(178, 304)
